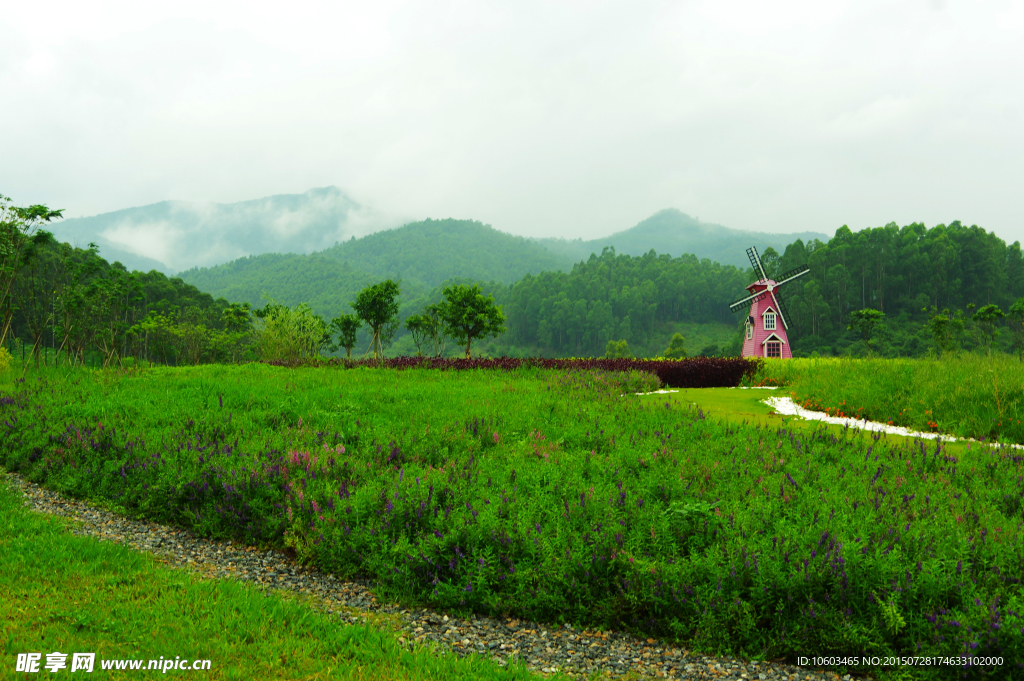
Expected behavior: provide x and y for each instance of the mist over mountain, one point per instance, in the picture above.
(174, 236)
(675, 233)
(171, 236)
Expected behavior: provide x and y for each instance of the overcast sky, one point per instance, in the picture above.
(575, 119)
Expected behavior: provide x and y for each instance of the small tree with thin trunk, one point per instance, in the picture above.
(418, 326)
(377, 305)
(346, 327)
(428, 332)
(468, 314)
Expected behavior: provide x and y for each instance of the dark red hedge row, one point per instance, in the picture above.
(698, 372)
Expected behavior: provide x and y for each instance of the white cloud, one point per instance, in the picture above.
(567, 118)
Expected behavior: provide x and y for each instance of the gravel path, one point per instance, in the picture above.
(544, 648)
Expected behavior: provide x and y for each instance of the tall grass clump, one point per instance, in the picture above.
(968, 395)
(558, 496)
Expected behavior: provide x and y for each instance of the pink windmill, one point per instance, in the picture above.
(763, 334)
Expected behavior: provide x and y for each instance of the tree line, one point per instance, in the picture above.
(932, 288)
(886, 290)
(71, 301)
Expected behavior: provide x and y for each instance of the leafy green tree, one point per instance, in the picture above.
(377, 305)
(237, 317)
(428, 331)
(770, 262)
(153, 335)
(617, 350)
(346, 326)
(676, 347)
(418, 327)
(191, 337)
(468, 314)
(1016, 319)
(19, 237)
(866, 322)
(110, 307)
(284, 333)
(987, 318)
(238, 324)
(34, 290)
(946, 329)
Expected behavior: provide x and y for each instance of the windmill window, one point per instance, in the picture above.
(773, 349)
(750, 330)
(769, 321)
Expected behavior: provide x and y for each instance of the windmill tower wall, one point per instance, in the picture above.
(766, 336)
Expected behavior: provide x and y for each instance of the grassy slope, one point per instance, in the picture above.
(60, 592)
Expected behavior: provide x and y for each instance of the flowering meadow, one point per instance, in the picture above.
(970, 396)
(557, 495)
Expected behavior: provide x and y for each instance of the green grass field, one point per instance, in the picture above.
(747, 407)
(553, 496)
(969, 396)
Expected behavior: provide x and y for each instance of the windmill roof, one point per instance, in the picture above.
(761, 283)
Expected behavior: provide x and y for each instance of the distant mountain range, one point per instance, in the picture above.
(173, 236)
(675, 233)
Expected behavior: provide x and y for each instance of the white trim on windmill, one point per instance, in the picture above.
(774, 336)
(777, 303)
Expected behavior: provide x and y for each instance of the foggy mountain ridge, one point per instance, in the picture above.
(178, 236)
(673, 232)
(172, 236)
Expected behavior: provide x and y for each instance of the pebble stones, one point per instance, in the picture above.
(544, 648)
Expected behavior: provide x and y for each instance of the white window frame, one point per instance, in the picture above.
(769, 317)
(750, 331)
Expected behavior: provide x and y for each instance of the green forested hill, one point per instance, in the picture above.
(432, 251)
(672, 232)
(288, 278)
(421, 254)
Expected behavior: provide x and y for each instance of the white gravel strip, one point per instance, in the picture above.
(787, 407)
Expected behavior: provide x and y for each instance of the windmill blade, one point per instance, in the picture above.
(783, 312)
(793, 274)
(755, 262)
(752, 298)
